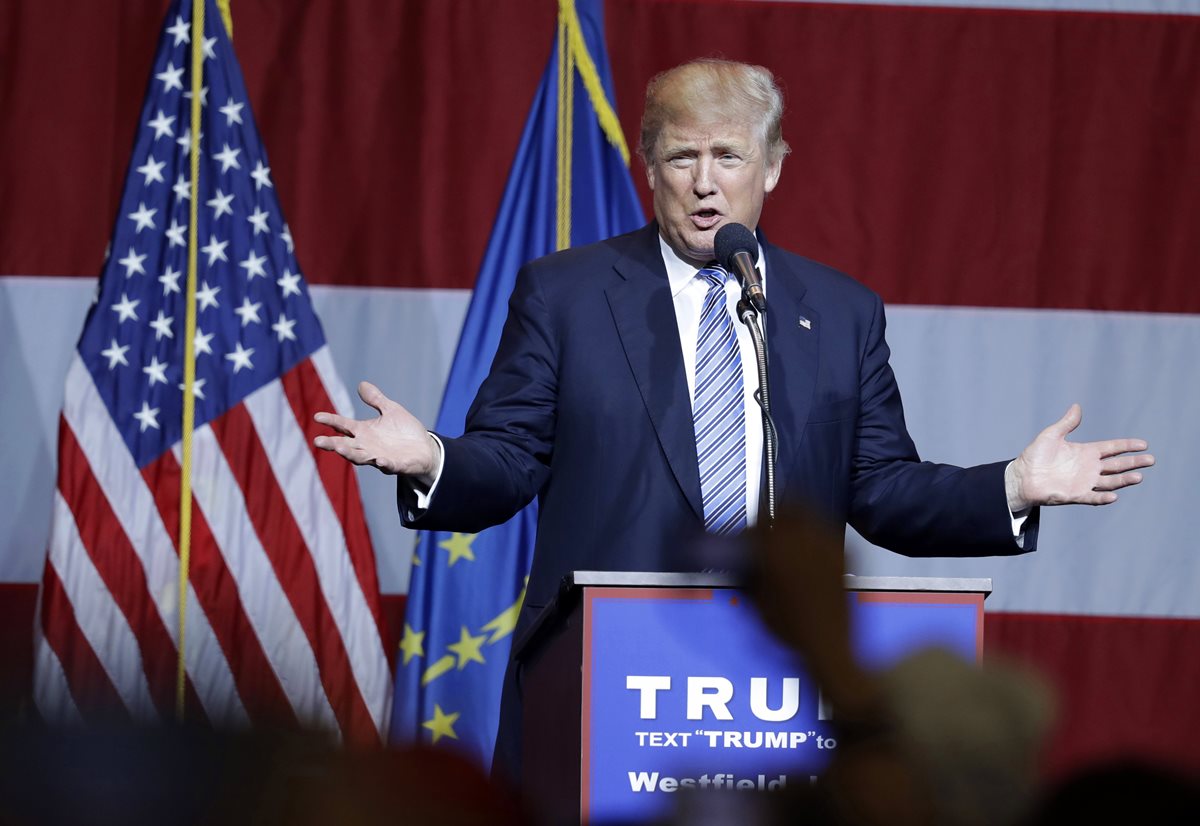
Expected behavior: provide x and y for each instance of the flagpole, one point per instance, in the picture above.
(189, 357)
(565, 122)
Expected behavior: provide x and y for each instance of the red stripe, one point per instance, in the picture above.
(293, 563)
(121, 569)
(94, 693)
(257, 683)
(307, 395)
(1127, 686)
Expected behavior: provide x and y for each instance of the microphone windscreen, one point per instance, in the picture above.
(732, 239)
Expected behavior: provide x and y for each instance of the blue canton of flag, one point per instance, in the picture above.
(283, 620)
(254, 319)
(466, 589)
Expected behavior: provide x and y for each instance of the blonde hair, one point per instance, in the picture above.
(714, 87)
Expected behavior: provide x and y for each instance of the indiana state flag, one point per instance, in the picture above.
(569, 185)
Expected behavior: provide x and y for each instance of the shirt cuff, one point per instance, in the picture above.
(422, 492)
(1018, 522)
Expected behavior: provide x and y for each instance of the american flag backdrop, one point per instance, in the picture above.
(1018, 179)
(283, 619)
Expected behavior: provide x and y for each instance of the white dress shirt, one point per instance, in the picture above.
(687, 293)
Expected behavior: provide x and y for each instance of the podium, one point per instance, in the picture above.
(638, 685)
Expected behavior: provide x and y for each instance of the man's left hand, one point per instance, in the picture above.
(1053, 471)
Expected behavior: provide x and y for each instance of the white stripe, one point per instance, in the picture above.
(136, 511)
(1123, 6)
(334, 388)
(262, 596)
(51, 693)
(51, 690)
(296, 471)
(98, 616)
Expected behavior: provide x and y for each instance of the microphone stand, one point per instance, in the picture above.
(749, 317)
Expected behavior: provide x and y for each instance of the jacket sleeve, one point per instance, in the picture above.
(503, 458)
(913, 507)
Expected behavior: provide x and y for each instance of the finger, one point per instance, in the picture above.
(327, 442)
(1067, 423)
(373, 396)
(341, 424)
(1114, 447)
(1118, 481)
(1123, 463)
(351, 452)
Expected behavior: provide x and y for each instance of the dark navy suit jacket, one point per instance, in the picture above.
(587, 407)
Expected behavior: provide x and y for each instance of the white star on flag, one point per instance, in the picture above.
(170, 280)
(171, 77)
(197, 387)
(228, 159)
(125, 309)
(289, 283)
(283, 327)
(143, 217)
(148, 416)
(152, 169)
(175, 234)
(156, 370)
(201, 342)
(259, 219)
(248, 312)
(162, 326)
(181, 30)
(185, 141)
(221, 204)
(286, 235)
(133, 263)
(182, 189)
(215, 250)
(240, 357)
(261, 176)
(206, 296)
(161, 125)
(254, 265)
(232, 112)
(207, 45)
(203, 95)
(116, 354)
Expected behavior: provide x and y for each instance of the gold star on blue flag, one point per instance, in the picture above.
(569, 185)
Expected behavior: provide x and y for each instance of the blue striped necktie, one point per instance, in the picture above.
(719, 412)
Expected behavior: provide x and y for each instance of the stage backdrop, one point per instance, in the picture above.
(1020, 184)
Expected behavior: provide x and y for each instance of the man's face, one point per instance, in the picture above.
(706, 174)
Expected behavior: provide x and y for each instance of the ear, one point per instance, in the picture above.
(650, 174)
(773, 171)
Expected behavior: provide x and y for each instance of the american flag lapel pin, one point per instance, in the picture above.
(804, 322)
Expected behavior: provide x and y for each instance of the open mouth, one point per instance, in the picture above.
(705, 218)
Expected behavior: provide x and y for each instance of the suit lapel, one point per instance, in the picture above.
(793, 347)
(644, 314)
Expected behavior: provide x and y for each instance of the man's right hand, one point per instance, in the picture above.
(395, 442)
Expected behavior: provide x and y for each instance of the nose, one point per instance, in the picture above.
(703, 182)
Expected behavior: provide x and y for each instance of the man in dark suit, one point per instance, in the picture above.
(594, 400)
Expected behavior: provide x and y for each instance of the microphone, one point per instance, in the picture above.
(737, 251)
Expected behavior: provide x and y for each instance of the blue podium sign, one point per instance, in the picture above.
(684, 687)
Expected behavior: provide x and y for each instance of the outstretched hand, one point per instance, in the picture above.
(395, 442)
(1053, 471)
